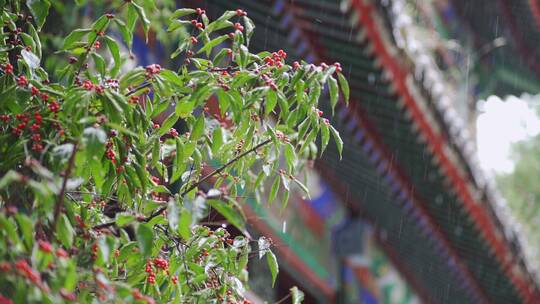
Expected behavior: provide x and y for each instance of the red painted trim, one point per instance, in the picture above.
(438, 144)
(405, 185)
(288, 255)
(535, 10)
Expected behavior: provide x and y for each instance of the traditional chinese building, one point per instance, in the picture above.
(409, 173)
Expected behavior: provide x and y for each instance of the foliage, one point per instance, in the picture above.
(102, 198)
(521, 190)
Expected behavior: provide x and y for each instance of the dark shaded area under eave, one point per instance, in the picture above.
(513, 20)
(359, 173)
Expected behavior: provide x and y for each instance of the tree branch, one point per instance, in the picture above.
(67, 173)
(197, 184)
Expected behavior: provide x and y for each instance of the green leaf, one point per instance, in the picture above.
(218, 139)
(9, 177)
(64, 231)
(27, 227)
(334, 94)
(184, 225)
(297, 295)
(127, 34)
(40, 10)
(228, 212)
(271, 101)
(249, 27)
(274, 191)
(337, 139)
(71, 40)
(115, 53)
(182, 12)
(172, 77)
(37, 41)
(302, 186)
(211, 44)
(198, 128)
(273, 265)
(145, 237)
(344, 84)
(144, 19)
(290, 155)
(167, 124)
(325, 137)
(122, 219)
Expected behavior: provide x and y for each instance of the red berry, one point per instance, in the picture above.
(45, 246)
(34, 91)
(238, 27)
(231, 36)
(240, 13)
(173, 132)
(61, 253)
(199, 25)
(296, 65)
(8, 68)
(54, 106)
(97, 45)
(87, 85)
(156, 126)
(22, 81)
(193, 40)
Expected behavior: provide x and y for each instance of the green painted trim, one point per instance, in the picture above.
(517, 80)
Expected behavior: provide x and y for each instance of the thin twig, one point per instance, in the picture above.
(142, 86)
(67, 173)
(283, 299)
(195, 185)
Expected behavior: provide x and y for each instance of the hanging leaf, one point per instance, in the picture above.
(325, 136)
(40, 10)
(333, 90)
(344, 84)
(145, 237)
(184, 225)
(211, 44)
(274, 190)
(273, 265)
(229, 213)
(337, 139)
(182, 12)
(64, 231)
(198, 128)
(143, 18)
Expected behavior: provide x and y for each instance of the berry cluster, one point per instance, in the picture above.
(29, 273)
(276, 59)
(159, 263)
(89, 86)
(152, 70)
